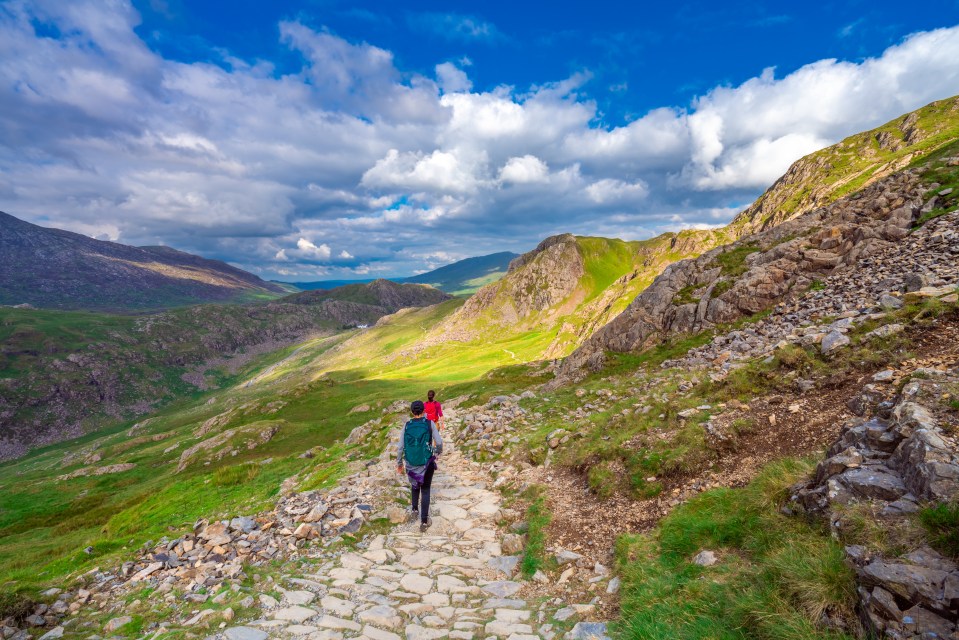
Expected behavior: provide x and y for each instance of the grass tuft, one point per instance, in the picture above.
(538, 518)
(235, 475)
(942, 526)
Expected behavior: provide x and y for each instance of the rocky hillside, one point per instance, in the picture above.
(566, 288)
(63, 374)
(56, 269)
(898, 460)
(382, 297)
(826, 175)
(778, 265)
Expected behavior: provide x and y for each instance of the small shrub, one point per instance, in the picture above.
(817, 285)
(722, 287)
(687, 295)
(602, 480)
(862, 523)
(742, 426)
(15, 605)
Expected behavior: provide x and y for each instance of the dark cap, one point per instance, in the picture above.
(417, 406)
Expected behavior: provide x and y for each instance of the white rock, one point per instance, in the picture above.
(295, 614)
(417, 632)
(332, 622)
(244, 633)
(299, 597)
(337, 605)
(379, 634)
(381, 616)
(416, 583)
(268, 602)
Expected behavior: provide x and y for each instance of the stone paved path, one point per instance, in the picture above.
(451, 582)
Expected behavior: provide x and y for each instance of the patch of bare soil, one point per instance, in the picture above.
(788, 424)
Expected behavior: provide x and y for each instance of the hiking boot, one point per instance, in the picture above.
(426, 525)
(414, 516)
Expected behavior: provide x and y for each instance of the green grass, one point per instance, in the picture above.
(775, 578)
(848, 166)
(46, 524)
(942, 527)
(538, 518)
(686, 295)
(235, 475)
(732, 261)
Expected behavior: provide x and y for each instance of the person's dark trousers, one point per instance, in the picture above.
(421, 493)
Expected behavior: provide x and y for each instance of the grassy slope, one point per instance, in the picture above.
(45, 524)
(849, 165)
(775, 578)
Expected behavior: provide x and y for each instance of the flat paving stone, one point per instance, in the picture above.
(295, 614)
(244, 633)
(417, 583)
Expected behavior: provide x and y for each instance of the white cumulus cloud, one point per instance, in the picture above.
(102, 134)
(524, 170)
(307, 249)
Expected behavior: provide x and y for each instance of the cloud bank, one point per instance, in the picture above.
(351, 165)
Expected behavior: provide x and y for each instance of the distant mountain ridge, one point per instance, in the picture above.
(462, 277)
(467, 276)
(58, 269)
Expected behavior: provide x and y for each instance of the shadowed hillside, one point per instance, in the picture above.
(59, 269)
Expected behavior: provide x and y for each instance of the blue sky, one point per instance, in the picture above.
(319, 139)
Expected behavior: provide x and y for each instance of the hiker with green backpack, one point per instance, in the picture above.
(420, 443)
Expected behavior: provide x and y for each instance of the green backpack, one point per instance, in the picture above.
(416, 442)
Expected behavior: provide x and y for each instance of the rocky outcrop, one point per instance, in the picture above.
(62, 270)
(924, 265)
(536, 281)
(772, 267)
(897, 461)
(229, 443)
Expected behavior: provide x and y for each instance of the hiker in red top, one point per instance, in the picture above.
(434, 410)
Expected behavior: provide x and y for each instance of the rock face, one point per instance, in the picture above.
(536, 281)
(775, 267)
(63, 270)
(897, 460)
